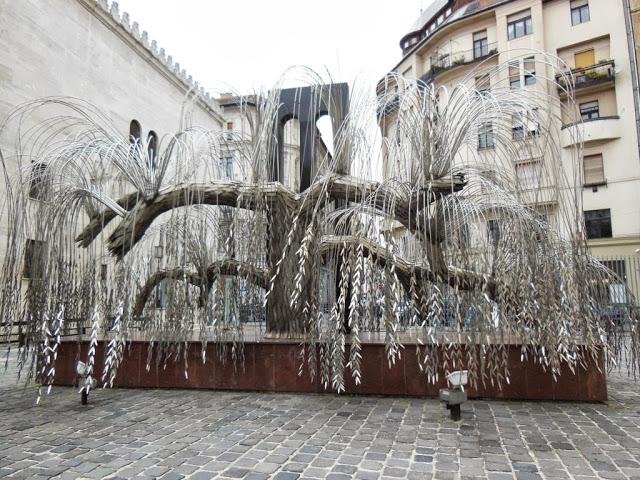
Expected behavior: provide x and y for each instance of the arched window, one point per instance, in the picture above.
(152, 148)
(134, 132)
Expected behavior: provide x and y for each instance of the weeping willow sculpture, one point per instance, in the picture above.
(132, 240)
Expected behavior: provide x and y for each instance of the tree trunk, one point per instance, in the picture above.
(282, 319)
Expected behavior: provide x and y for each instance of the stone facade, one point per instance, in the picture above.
(89, 50)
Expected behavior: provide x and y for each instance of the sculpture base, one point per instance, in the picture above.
(273, 365)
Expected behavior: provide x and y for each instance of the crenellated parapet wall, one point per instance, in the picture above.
(109, 12)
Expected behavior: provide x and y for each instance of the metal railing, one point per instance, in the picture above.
(601, 72)
(445, 61)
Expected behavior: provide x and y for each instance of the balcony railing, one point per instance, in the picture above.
(584, 77)
(446, 61)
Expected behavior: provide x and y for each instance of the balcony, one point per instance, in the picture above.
(447, 61)
(601, 129)
(587, 79)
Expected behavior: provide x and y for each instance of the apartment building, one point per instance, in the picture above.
(452, 37)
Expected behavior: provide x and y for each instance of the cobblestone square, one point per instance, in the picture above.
(174, 434)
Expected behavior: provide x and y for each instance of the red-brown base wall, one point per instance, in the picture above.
(273, 366)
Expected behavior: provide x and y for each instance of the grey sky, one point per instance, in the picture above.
(247, 44)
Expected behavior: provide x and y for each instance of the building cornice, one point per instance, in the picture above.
(445, 26)
(128, 31)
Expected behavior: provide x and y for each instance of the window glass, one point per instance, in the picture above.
(519, 25)
(480, 44)
(580, 12)
(485, 136)
(590, 110)
(514, 74)
(598, 223)
(529, 70)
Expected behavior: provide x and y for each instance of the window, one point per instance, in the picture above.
(585, 58)
(528, 174)
(529, 70)
(483, 84)
(493, 231)
(531, 121)
(38, 185)
(593, 170)
(161, 299)
(152, 148)
(103, 272)
(480, 44)
(579, 12)
(519, 25)
(485, 136)
(135, 132)
(598, 223)
(229, 130)
(226, 167)
(514, 74)
(590, 111)
(517, 128)
(440, 19)
(33, 258)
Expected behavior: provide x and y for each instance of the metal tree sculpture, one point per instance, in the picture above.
(130, 239)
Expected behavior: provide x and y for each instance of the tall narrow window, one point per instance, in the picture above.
(152, 148)
(38, 183)
(229, 130)
(480, 44)
(135, 132)
(590, 111)
(529, 70)
(593, 170)
(598, 223)
(493, 231)
(33, 258)
(226, 168)
(519, 25)
(485, 136)
(517, 127)
(514, 74)
(579, 12)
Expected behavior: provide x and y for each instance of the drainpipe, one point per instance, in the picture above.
(634, 66)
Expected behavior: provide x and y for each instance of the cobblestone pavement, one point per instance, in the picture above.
(172, 434)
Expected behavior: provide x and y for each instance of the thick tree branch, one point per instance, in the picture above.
(228, 267)
(349, 189)
(456, 277)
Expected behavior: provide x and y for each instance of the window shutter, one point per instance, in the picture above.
(593, 170)
(585, 59)
(480, 35)
(578, 3)
(519, 15)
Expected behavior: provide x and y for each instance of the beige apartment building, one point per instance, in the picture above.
(452, 37)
